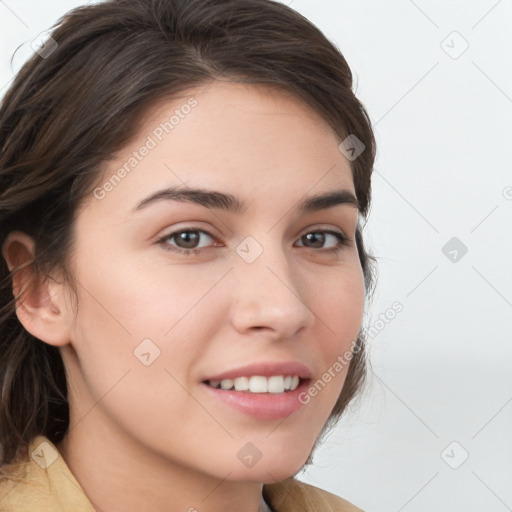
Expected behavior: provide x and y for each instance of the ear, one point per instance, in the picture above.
(40, 300)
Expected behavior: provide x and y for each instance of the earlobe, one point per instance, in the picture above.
(39, 305)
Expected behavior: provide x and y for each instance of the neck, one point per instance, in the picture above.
(118, 474)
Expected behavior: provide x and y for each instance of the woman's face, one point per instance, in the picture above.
(267, 292)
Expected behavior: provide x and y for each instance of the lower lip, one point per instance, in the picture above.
(264, 406)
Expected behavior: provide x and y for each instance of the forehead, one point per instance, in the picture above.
(249, 140)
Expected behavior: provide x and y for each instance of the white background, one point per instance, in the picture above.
(441, 369)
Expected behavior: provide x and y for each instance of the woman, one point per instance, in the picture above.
(184, 275)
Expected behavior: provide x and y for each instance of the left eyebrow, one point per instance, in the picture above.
(220, 200)
(328, 200)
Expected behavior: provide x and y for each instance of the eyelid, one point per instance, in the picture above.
(323, 227)
(187, 227)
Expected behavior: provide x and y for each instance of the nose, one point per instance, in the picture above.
(268, 296)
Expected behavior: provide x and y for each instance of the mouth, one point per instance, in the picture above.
(274, 384)
(262, 391)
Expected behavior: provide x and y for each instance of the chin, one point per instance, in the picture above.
(271, 471)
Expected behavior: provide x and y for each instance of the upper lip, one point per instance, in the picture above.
(265, 369)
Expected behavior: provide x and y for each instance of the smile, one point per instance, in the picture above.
(258, 384)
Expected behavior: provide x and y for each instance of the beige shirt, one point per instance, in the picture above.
(44, 483)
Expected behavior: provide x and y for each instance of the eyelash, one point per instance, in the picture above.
(343, 241)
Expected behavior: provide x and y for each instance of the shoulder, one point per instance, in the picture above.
(293, 495)
(41, 482)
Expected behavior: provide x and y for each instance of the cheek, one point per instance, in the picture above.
(131, 291)
(339, 304)
(339, 307)
(123, 303)
(138, 332)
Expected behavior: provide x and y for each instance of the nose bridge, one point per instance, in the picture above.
(269, 293)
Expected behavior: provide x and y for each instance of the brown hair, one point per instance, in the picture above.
(76, 103)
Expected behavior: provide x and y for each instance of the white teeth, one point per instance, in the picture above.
(276, 384)
(241, 383)
(258, 383)
(226, 384)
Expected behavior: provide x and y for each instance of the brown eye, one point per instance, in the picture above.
(318, 239)
(187, 241)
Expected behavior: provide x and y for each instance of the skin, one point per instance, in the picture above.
(143, 437)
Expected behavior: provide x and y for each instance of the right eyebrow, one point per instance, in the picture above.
(206, 198)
